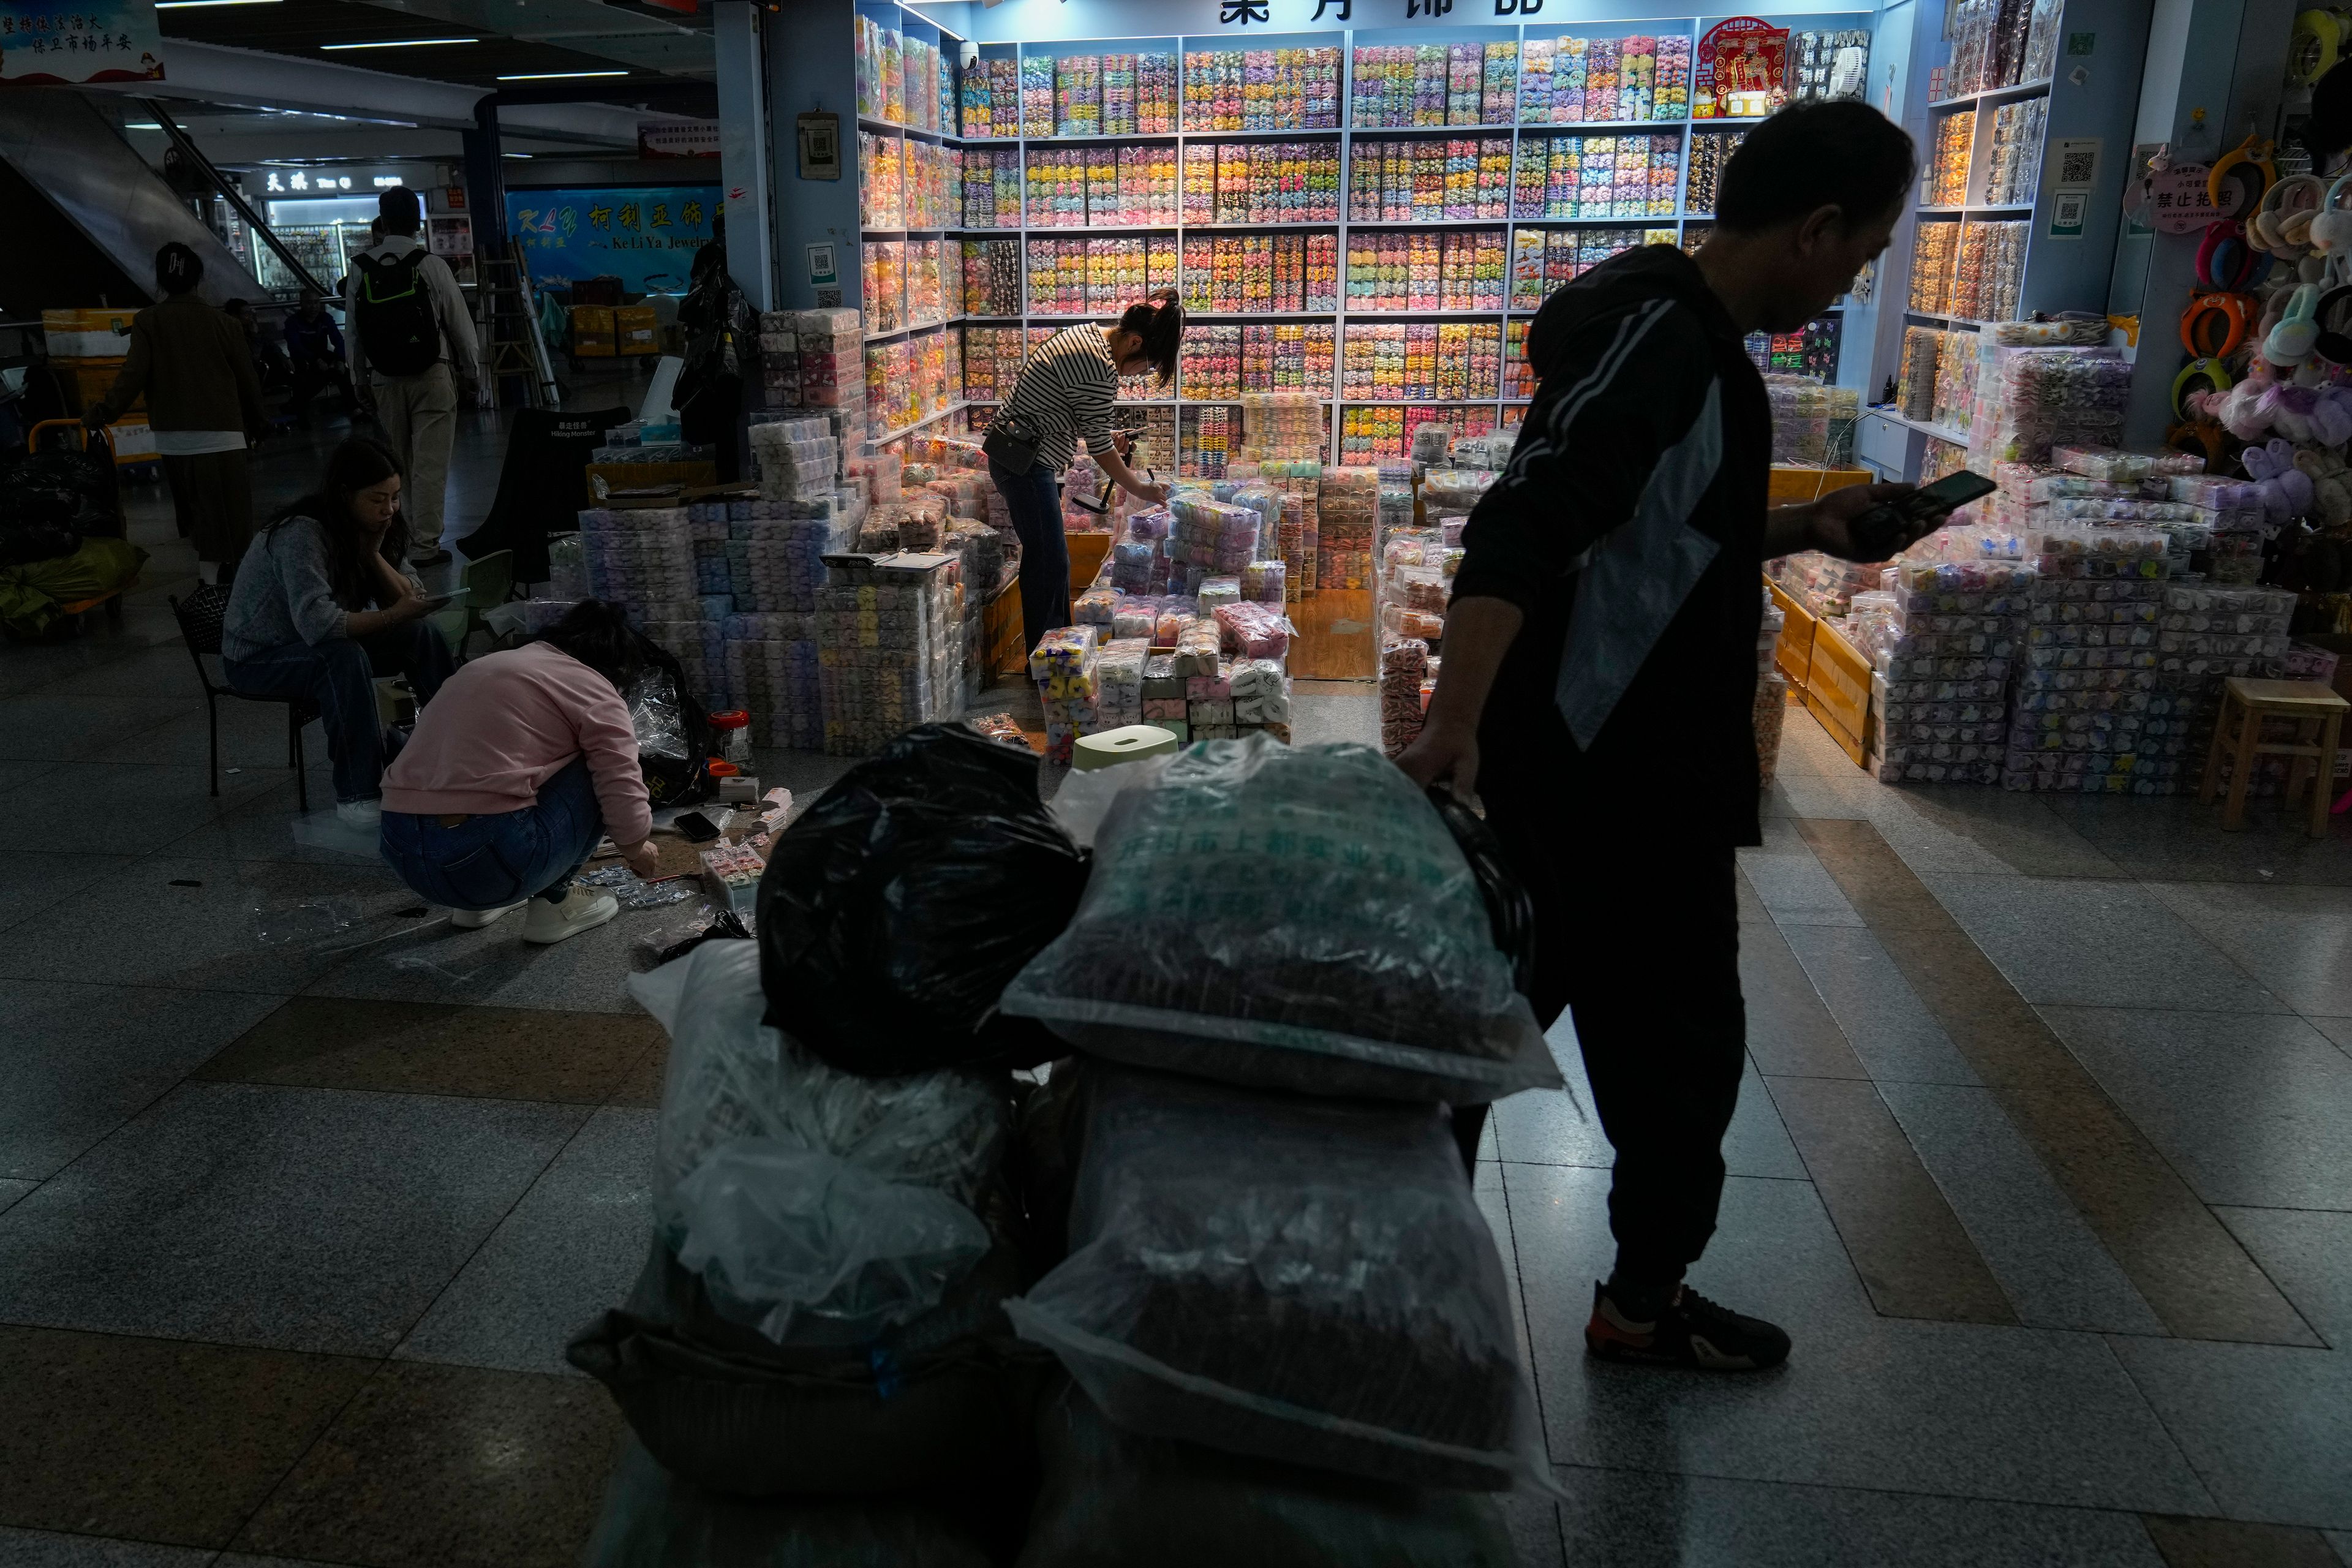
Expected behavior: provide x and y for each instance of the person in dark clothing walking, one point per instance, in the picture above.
(193, 365)
(1600, 678)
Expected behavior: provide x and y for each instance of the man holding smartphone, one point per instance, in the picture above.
(1599, 676)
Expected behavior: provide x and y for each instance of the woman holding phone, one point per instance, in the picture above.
(323, 606)
(1066, 392)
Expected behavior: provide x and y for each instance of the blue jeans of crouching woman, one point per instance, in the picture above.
(489, 862)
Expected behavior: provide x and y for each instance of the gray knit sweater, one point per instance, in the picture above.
(284, 592)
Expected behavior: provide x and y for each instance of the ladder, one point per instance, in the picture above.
(510, 335)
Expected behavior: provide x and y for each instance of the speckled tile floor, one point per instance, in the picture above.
(2040, 1155)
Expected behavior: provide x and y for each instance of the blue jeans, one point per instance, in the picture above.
(1037, 509)
(339, 675)
(489, 862)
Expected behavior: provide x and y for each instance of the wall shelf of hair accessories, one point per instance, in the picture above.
(2024, 120)
(1150, 135)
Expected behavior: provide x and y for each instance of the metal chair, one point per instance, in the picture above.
(200, 627)
(482, 585)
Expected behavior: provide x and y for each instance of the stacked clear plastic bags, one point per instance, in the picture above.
(820, 1207)
(1294, 919)
(1255, 630)
(1288, 1278)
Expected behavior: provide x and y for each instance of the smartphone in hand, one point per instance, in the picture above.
(1886, 528)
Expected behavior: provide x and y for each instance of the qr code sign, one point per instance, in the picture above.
(2076, 165)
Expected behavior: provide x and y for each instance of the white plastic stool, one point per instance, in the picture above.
(1128, 743)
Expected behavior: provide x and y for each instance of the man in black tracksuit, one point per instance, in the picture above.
(1599, 676)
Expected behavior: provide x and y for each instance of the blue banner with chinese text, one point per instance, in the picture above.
(646, 236)
(52, 43)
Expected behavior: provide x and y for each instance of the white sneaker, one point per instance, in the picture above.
(364, 814)
(474, 920)
(583, 909)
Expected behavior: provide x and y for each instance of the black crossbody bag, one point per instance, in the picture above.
(1011, 443)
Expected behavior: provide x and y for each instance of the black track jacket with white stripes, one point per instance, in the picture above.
(1629, 527)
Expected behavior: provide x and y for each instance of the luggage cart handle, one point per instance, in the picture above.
(33, 436)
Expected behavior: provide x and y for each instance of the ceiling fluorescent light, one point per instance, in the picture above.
(557, 76)
(141, 125)
(192, 5)
(400, 44)
(514, 154)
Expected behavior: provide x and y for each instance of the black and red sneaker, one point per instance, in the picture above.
(1688, 1330)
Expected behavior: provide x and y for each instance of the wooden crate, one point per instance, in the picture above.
(1001, 636)
(1837, 690)
(1794, 487)
(1794, 652)
(1087, 553)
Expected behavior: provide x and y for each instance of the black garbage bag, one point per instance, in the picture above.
(77, 490)
(894, 911)
(24, 539)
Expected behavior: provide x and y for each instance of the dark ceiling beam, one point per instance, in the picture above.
(679, 95)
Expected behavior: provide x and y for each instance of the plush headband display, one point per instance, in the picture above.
(2331, 228)
(2216, 325)
(2198, 375)
(2225, 261)
(2277, 227)
(2290, 342)
(2241, 177)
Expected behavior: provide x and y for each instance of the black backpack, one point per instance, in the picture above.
(393, 312)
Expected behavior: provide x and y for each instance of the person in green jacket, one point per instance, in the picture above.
(204, 403)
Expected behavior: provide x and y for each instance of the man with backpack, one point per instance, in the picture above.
(411, 348)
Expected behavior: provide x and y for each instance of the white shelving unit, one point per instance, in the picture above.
(1346, 134)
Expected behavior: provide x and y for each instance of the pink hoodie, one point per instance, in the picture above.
(505, 724)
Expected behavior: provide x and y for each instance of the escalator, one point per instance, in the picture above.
(88, 213)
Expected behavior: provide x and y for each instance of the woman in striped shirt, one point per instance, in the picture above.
(1066, 392)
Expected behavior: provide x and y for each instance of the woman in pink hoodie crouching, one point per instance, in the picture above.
(521, 762)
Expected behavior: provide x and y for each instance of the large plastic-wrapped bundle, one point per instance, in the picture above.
(1240, 1261)
(651, 1519)
(1255, 630)
(1115, 1496)
(818, 1205)
(1361, 961)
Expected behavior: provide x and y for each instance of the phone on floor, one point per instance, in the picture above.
(696, 828)
(1887, 528)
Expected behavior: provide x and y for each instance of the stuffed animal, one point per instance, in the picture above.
(2286, 490)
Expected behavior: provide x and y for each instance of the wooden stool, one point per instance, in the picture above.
(2309, 703)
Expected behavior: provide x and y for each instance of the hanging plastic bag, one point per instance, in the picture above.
(1112, 1499)
(1290, 918)
(894, 910)
(1294, 1278)
(824, 1206)
(674, 733)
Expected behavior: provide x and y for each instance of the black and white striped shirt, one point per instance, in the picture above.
(1066, 391)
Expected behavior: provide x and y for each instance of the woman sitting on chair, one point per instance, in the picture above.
(321, 608)
(526, 758)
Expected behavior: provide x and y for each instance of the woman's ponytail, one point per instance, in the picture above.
(1158, 321)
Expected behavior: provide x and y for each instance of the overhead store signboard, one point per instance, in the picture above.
(63, 42)
(644, 235)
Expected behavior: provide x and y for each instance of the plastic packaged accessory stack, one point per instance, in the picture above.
(1942, 639)
(2089, 701)
(890, 646)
